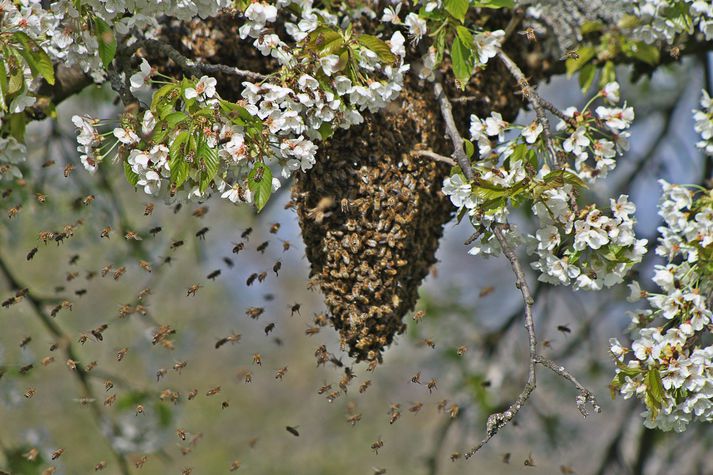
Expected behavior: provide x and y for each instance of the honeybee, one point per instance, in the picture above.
(31, 254)
(181, 434)
(453, 411)
(415, 407)
(154, 231)
(455, 456)
(270, 327)
(432, 385)
(109, 400)
(192, 394)
(119, 272)
(529, 461)
(529, 33)
(261, 276)
(139, 463)
(193, 289)
(68, 170)
(237, 247)
(234, 465)
(295, 308)
(461, 350)
(261, 248)
(233, 338)
(148, 209)
(274, 228)
(213, 391)
(213, 275)
(276, 268)
(201, 233)
(257, 359)
(145, 265)
(228, 262)
(41, 198)
(161, 373)
(246, 233)
(132, 235)
(570, 54)
(564, 329)
(364, 386)
(176, 244)
(292, 430)
(418, 316)
(31, 454)
(30, 392)
(377, 445)
(121, 354)
(200, 212)
(179, 366)
(353, 419)
(285, 246)
(25, 341)
(100, 466)
(254, 312)
(57, 454)
(251, 279)
(105, 232)
(280, 373)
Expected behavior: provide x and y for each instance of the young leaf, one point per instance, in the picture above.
(260, 184)
(463, 61)
(106, 40)
(457, 8)
(131, 177)
(379, 47)
(36, 58)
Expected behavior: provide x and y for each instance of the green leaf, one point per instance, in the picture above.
(210, 162)
(592, 26)
(175, 118)
(465, 35)
(106, 40)
(131, 177)
(326, 130)
(36, 58)
(585, 54)
(608, 74)
(457, 8)
(18, 122)
(641, 51)
(463, 61)
(586, 77)
(262, 187)
(469, 148)
(177, 158)
(163, 93)
(379, 47)
(495, 4)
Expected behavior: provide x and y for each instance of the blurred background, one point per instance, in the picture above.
(173, 384)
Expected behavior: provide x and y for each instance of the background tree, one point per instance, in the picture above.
(384, 118)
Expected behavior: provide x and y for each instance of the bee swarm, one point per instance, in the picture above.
(371, 217)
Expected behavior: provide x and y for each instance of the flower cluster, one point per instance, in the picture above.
(670, 363)
(663, 20)
(704, 123)
(590, 248)
(196, 141)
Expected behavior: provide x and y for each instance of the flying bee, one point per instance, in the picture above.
(261, 276)
(176, 244)
(48, 163)
(119, 272)
(161, 373)
(68, 170)
(570, 54)
(31, 454)
(201, 233)
(564, 329)
(41, 197)
(121, 354)
(254, 312)
(310, 331)
(295, 308)
(257, 359)
(105, 270)
(364, 386)
(485, 291)
(31, 254)
(148, 209)
(453, 411)
(177, 208)
(285, 246)
(321, 211)
(276, 268)
(105, 232)
(213, 275)
(261, 248)
(237, 247)
(378, 471)
(293, 430)
(429, 342)
(377, 445)
(432, 385)
(234, 465)
(97, 332)
(416, 379)
(565, 470)
(57, 454)
(270, 327)
(455, 456)
(246, 233)
(353, 419)
(415, 407)
(529, 461)
(181, 434)
(192, 394)
(180, 365)
(225, 404)
(461, 350)
(108, 385)
(30, 392)
(529, 33)
(26, 369)
(193, 289)
(234, 338)
(100, 466)
(228, 262)
(418, 316)
(251, 279)
(132, 235)
(213, 391)
(155, 231)
(274, 228)
(109, 400)
(280, 373)
(200, 212)
(145, 265)
(139, 463)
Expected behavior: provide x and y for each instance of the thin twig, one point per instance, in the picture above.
(435, 156)
(585, 396)
(452, 130)
(537, 104)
